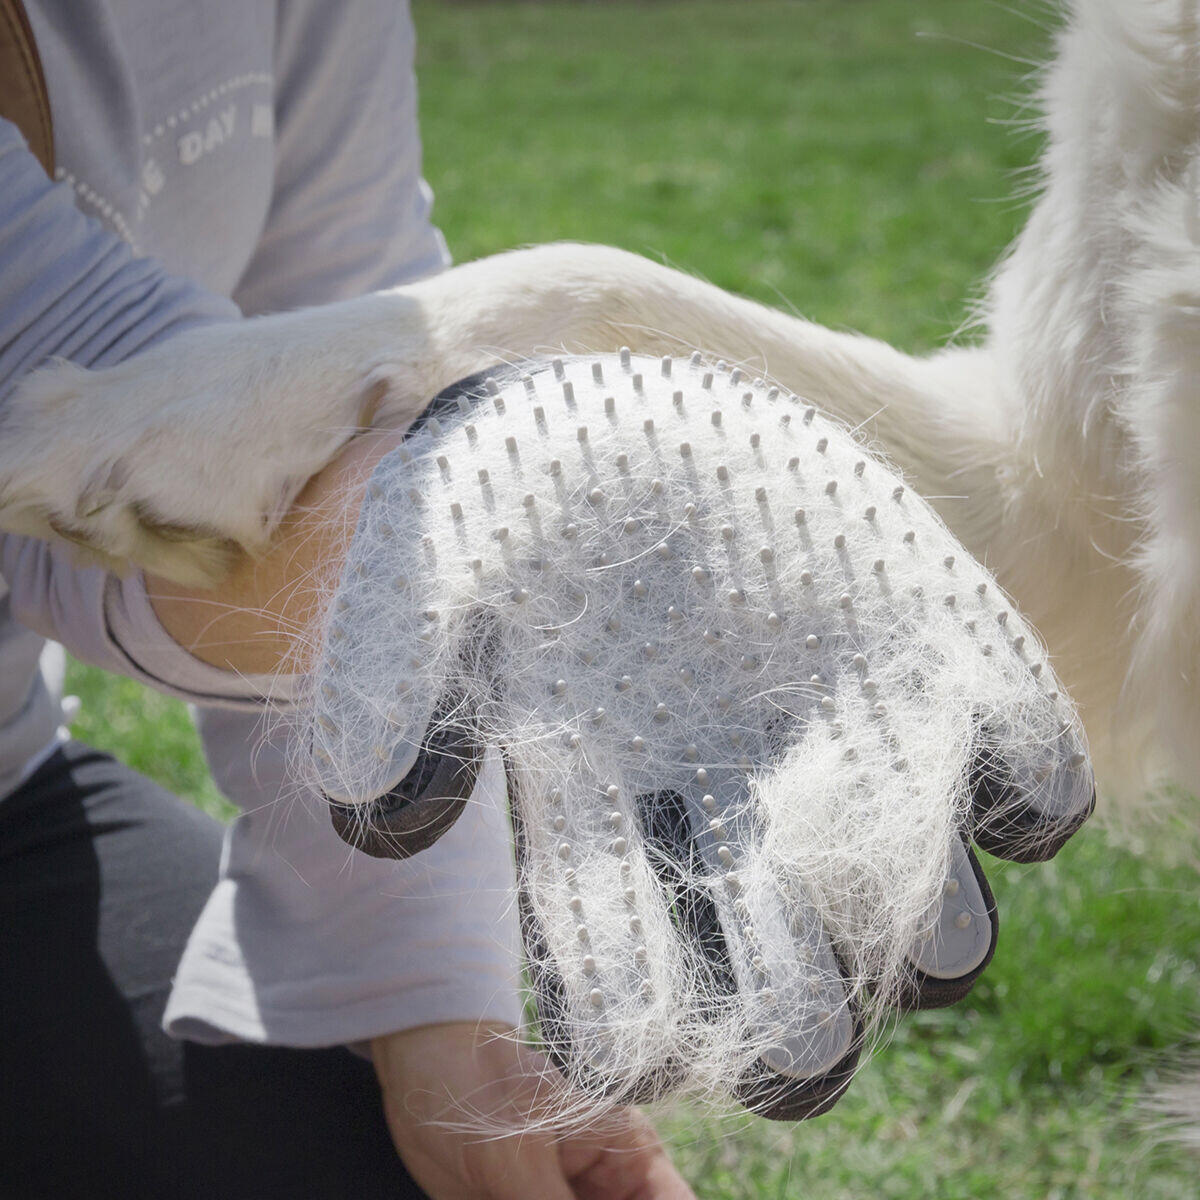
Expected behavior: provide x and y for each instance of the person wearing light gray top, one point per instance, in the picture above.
(273, 164)
(217, 160)
(214, 160)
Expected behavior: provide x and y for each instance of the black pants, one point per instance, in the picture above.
(102, 874)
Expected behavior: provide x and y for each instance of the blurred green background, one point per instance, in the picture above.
(855, 161)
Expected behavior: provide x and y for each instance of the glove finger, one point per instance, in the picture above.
(960, 943)
(418, 810)
(1027, 814)
(602, 955)
(768, 955)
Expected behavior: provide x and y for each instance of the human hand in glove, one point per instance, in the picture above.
(755, 703)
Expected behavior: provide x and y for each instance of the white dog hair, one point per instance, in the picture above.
(1063, 450)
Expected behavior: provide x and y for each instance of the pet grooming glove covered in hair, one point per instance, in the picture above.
(754, 701)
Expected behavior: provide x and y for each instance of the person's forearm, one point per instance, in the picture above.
(256, 618)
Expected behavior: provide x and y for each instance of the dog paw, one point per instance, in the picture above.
(174, 459)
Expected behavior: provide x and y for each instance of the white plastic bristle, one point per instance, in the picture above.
(597, 373)
(626, 362)
(666, 367)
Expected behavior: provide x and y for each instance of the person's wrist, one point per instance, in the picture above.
(253, 621)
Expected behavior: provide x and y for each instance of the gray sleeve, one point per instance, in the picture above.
(350, 212)
(304, 943)
(71, 289)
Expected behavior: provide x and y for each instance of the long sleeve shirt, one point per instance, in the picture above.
(216, 159)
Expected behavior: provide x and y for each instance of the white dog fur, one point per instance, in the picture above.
(1063, 451)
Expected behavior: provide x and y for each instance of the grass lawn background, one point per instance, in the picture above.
(853, 159)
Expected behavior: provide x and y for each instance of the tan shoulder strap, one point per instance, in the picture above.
(23, 97)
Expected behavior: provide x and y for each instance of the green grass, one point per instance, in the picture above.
(829, 154)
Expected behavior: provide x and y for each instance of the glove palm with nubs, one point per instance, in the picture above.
(754, 703)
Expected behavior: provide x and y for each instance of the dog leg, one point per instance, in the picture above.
(202, 443)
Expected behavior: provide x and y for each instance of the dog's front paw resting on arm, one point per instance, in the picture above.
(755, 702)
(196, 448)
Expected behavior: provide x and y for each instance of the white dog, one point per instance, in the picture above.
(1063, 451)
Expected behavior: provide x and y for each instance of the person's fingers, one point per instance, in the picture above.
(460, 1099)
(626, 1160)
